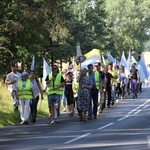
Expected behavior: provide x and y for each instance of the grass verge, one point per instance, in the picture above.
(7, 114)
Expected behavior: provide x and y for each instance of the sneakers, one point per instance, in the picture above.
(33, 120)
(112, 103)
(24, 122)
(117, 101)
(64, 110)
(54, 121)
(71, 114)
(100, 111)
(89, 118)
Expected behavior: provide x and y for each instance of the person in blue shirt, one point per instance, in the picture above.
(96, 80)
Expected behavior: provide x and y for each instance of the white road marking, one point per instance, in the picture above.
(131, 111)
(107, 125)
(80, 137)
(137, 111)
(145, 106)
(123, 118)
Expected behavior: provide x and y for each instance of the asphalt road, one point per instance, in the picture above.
(124, 126)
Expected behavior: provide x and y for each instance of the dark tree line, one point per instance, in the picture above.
(27, 27)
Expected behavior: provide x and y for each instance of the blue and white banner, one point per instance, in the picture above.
(112, 59)
(142, 69)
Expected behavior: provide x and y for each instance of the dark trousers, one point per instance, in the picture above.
(94, 97)
(128, 87)
(140, 88)
(33, 107)
(123, 90)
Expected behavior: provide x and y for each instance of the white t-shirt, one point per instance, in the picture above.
(35, 87)
(11, 77)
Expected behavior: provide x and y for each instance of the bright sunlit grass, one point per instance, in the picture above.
(7, 114)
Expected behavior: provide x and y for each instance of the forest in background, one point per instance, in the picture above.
(51, 28)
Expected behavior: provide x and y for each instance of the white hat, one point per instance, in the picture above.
(97, 61)
(24, 73)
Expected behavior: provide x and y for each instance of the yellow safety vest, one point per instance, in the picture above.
(24, 92)
(96, 78)
(57, 82)
(114, 74)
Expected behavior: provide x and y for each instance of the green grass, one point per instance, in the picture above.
(7, 114)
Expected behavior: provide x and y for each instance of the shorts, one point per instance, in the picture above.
(54, 100)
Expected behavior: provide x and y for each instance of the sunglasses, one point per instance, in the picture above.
(54, 68)
(96, 66)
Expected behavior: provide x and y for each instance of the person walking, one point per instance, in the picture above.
(122, 81)
(64, 99)
(96, 80)
(24, 93)
(11, 81)
(98, 68)
(113, 82)
(55, 83)
(85, 84)
(134, 75)
(36, 90)
(75, 89)
(107, 86)
(69, 93)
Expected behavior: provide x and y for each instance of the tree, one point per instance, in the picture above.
(88, 26)
(129, 21)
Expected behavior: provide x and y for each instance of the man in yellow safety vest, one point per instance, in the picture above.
(55, 82)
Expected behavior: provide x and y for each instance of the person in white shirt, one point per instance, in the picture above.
(36, 90)
(11, 81)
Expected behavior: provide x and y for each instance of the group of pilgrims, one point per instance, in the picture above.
(84, 93)
(90, 90)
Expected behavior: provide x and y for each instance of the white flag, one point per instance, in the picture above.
(129, 61)
(123, 62)
(104, 61)
(46, 71)
(141, 66)
(33, 63)
(133, 60)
